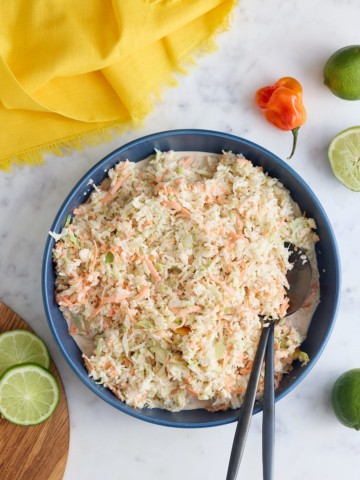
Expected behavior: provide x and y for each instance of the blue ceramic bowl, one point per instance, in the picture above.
(206, 141)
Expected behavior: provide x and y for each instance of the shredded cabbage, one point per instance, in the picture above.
(169, 266)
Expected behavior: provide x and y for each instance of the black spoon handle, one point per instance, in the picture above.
(268, 424)
(247, 408)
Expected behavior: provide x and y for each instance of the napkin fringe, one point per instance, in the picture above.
(144, 108)
(107, 132)
(63, 147)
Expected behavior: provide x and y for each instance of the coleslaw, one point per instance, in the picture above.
(168, 269)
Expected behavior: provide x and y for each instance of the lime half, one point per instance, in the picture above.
(344, 157)
(22, 346)
(29, 394)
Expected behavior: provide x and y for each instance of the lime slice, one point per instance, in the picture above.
(29, 394)
(22, 346)
(344, 157)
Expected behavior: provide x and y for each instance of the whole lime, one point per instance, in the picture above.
(346, 398)
(342, 73)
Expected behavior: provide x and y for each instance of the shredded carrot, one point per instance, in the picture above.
(154, 273)
(238, 391)
(96, 311)
(142, 294)
(161, 178)
(235, 236)
(93, 263)
(222, 284)
(105, 300)
(284, 306)
(239, 223)
(123, 166)
(73, 330)
(182, 312)
(88, 363)
(187, 162)
(115, 391)
(177, 207)
(115, 188)
(246, 370)
(115, 298)
(147, 223)
(192, 392)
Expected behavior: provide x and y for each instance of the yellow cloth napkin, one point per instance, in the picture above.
(73, 69)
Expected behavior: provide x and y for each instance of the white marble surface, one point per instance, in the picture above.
(267, 40)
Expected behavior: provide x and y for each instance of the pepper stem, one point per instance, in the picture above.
(295, 132)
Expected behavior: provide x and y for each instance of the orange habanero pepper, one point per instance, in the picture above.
(282, 106)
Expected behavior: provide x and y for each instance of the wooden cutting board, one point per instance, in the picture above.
(38, 452)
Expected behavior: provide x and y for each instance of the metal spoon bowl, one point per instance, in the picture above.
(299, 279)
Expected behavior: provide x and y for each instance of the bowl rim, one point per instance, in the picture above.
(47, 259)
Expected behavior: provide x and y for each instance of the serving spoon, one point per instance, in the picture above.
(299, 279)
